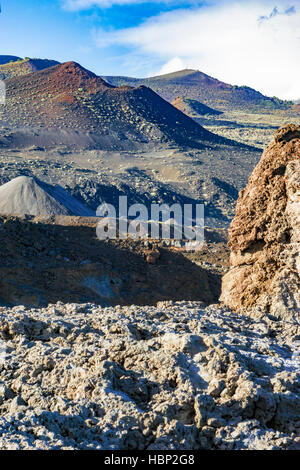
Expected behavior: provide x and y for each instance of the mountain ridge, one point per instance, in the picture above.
(4, 59)
(20, 67)
(194, 84)
(70, 98)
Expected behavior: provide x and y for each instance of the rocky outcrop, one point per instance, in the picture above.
(172, 376)
(264, 236)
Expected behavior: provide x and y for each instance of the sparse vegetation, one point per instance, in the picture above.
(198, 86)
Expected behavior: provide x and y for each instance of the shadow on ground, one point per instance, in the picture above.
(43, 261)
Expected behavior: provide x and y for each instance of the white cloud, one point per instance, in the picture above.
(172, 65)
(76, 5)
(275, 12)
(229, 41)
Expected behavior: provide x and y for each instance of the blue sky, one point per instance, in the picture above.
(255, 43)
(51, 29)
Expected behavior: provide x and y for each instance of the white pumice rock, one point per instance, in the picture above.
(176, 376)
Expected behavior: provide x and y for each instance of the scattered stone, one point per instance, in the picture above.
(152, 256)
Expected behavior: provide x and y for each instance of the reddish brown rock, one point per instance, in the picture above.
(264, 237)
(152, 256)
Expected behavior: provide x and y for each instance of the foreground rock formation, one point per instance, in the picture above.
(264, 236)
(175, 376)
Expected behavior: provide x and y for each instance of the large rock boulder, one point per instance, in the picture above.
(264, 236)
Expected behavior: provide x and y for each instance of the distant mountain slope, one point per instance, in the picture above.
(4, 59)
(201, 87)
(69, 104)
(23, 67)
(194, 107)
(26, 195)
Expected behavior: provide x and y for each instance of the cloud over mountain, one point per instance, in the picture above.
(248, 42)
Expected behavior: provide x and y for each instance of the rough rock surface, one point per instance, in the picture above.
(175, 376)
(264, 236)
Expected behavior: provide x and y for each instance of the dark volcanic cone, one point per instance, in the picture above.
(67, 104)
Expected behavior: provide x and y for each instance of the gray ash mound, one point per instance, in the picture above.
(27, 195)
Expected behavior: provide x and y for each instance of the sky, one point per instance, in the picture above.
(246, 42)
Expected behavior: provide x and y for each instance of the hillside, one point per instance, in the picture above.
(194, 107)
(46, 259)
(4, 59)
(67, 104)
(196, 85)
(20, 67)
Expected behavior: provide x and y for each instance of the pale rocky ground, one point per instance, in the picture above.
(165, 175)
(174, 376)
(255, 129)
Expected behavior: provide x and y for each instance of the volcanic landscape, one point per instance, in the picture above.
(142, 344)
